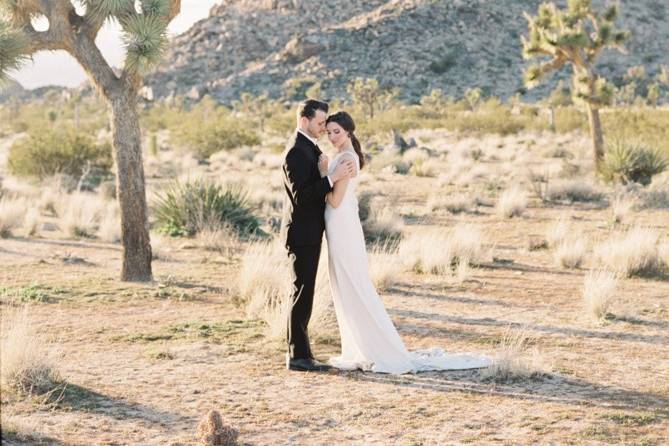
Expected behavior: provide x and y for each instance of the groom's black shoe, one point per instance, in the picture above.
(306, 365)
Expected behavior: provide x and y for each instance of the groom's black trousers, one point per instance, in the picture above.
(305, 266)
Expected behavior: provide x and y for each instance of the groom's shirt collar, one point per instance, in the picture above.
(308, 137)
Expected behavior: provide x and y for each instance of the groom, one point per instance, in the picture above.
(305, 222)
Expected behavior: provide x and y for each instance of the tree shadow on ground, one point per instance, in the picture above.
(550, 388)
(494, 322)
(77, 398)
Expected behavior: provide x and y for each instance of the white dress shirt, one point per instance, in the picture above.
(316, 144)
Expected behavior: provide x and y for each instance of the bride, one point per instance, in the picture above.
(369, 340)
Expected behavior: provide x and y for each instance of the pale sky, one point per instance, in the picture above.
(59, 68)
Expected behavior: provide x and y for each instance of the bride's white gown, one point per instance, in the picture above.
(369, 340)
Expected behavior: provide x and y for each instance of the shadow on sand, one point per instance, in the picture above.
(551, 388)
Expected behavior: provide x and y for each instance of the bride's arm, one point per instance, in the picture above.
(335, 197)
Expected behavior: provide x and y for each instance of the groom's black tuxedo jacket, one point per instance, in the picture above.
(304, 210)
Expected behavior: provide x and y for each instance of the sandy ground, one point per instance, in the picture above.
(145, 362)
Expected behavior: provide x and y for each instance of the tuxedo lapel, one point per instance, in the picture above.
(307, 144)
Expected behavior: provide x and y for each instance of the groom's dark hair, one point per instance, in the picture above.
(308, 108)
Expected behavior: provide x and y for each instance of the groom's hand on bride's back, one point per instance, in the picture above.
(344, 170)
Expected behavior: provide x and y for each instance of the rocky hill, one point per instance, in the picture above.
(416, 45)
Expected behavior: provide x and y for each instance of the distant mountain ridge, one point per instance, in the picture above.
(416, 45)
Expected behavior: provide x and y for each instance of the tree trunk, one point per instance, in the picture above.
(130, 186)
(551, 119)
(596, 135)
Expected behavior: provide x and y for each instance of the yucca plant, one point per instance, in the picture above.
(144, 26)
(632, 162)
(184, 209)
(576, 35)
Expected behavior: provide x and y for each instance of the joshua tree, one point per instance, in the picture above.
(576, 35)
(144, 25)
(473, 98)
(367, 93)
(256, 107)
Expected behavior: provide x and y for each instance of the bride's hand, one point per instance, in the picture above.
(323, 163)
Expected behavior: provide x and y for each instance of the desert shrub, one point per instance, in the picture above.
(79, 214)
(384, 266)
(220, 133)
(265, 287)
(573, 191)
(185, 208)
(12, 213)
(395, 117)
(646, 124)
(382, 225)
(52, 111)
(490, 117)
(570, 253)
(632, 253)
(47, 152)
(441, 252)
(161, 116)
(599, 289)
(569, 119)
(424, 168)
(512, 202)
(514, 361)
(452, 203)
(630, 161)
(29, 364)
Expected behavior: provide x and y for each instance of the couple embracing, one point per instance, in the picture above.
(322, 198)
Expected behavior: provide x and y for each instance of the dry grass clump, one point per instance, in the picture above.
(424, 168)
(570, 252)
(454, 204)
(12, 213)
(32, 222)
(265, 287)
(514, 361)
(218, 238)
(438, 251)
(79, 214)
(634, 252)
(160, 246)
(573, 191)
(29, 363)
(599, 288)
(385, 267)
(512, 202)
(109, 228)
(621, 208)
(382, 225)
(558, 231)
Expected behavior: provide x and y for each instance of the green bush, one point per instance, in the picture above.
(220, 133)
(490, 117)
(43, 153)
(568, 119)
(183, 209)
(282, 121)
(646, 124)
(631, 162)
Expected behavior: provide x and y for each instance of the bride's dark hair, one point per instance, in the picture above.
(345, 121)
